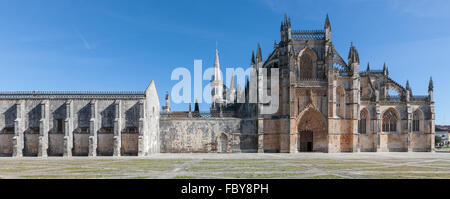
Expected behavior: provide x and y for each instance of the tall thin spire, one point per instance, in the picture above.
(217, 75)
(232, 84)
(258, 53)
(368, 67)
(407, 86)
(430, 85)
(285, 19)
(253, 60)
(353, 56)
(327, 23)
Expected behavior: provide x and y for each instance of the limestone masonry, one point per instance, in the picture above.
(325, 104)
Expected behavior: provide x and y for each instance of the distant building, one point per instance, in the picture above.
(443, 131)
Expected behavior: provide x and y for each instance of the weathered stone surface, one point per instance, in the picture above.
(201, 134)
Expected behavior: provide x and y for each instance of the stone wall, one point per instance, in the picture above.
(202, 134)
(79, 123)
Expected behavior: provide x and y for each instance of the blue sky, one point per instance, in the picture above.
(123, 45)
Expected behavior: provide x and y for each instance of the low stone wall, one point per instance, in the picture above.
(129, 144)
(105, 144)
(201, 135)
(56, 144)
(394, 142)
(80, 144)
(367, 143)
(6, 146)
(31, 144)
(421, 142)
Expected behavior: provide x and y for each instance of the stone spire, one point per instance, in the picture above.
(285, 19)
(407, 86)
(232, 84)
(327, 23)
(217, 75)
(258, 53)
(216, 83)
(275, 44)
(232, 91)
(430, 90)
(253, 59)
(353, 56)
(430, 85)
(368, 67)
(258, 57)
(385, 69)
(327, 29)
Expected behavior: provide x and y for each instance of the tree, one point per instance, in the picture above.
(196, 108)
(437, 139)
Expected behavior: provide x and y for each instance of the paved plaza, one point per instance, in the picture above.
(229, 166)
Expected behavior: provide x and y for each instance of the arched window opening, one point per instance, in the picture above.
(306, 66)
(389, 121)
(340, 102)
(363, 123)
(223, 143)
(416, 121)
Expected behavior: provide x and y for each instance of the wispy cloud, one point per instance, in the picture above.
(85, 42)
(422, 8)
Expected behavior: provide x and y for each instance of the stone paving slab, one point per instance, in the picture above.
(245, 165)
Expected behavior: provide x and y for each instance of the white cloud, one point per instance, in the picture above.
(422, 8)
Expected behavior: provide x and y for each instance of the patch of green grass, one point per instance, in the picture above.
(186, 177)
(401, 168)
(70, 176)
(256, 175)
(329, 176)
(138, 177)
(348, 166)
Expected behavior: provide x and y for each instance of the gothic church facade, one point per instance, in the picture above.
(325, 104)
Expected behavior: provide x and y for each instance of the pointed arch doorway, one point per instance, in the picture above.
(312, 132)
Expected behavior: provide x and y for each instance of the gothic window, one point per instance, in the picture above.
(306, 66)
(340, 101)
(389, 121)
(363, 123)
(416, 121)
(59, 125)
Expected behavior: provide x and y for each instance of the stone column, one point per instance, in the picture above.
(260, 135)
(378, 127)
(43, 129)
(68, 129)
(18, 142)
(117, 127)
(93, 129)
(432, 127)
(409, 114)
(142, 147)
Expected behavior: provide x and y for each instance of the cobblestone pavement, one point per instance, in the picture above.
(268, 165)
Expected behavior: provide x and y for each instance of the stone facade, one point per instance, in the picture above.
(325, 104)
(332, 106)
(79, 123)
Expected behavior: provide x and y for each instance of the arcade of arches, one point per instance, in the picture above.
(312, 132)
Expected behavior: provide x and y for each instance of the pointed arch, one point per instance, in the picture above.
(340, 101)
(222, 143)
(364, 121)
(390, 121)
(307, 62)
(312, 130)
(417, 120)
